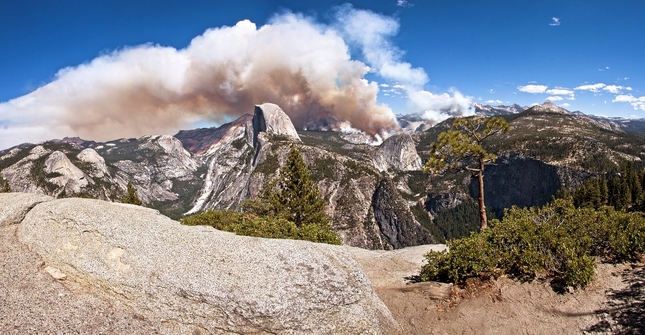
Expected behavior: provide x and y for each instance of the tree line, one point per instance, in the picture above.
(621, 190)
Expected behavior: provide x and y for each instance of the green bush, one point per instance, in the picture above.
(556, 241)
(268, 227)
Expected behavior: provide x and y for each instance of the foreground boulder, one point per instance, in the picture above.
(14, 206)
(194, 279)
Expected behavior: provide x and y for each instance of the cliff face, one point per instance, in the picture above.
(397, 224)
(515, 180)
(220, 167)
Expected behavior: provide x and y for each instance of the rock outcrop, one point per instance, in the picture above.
(97, 162)
(271, 119)
(396, 222)
(14, 206)
(71, 178)
(194, 279)
(399, 153)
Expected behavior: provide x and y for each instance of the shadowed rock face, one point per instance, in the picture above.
(520, 181)
(395, 220)
(198, 278)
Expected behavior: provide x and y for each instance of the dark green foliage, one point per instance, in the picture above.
(459, 221)
(417, 181)
(38, 175)
(4, 185)
(9, 161)
(269, 166)
(556, 241)
(355, 170)
(268, 227)
(623, 191)
(294, 196)
(239, 143)
(131, 196)
(291, 199)
(324, 168)
(422, 217)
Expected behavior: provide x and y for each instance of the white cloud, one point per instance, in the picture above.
(533, 88)
(555, 21)
(403, 3)
(371, 32)
(637, 103)
(560, 91)
(494, 102)
(555, 98)
(491, 91)
(565, 104)
(591, 87)
(615, 88)
(384, 85)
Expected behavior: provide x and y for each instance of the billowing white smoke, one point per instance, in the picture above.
(372, 32)
(303, 66)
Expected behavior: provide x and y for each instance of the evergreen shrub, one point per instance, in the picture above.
(557, 241)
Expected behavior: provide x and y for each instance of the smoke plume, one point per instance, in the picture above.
(303, 66)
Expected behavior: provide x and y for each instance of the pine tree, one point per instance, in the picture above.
(296, 197)
(460, 148)
(131, 196)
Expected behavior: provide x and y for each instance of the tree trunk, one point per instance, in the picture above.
(483, 221)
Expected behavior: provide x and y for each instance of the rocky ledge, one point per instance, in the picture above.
(198, 279)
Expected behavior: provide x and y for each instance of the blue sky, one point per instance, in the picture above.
(585, 55)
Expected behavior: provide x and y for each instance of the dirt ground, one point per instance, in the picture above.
(613, 304)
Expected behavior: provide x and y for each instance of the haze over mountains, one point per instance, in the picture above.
(377, 195)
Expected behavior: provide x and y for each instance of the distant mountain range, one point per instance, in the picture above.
(377, 196)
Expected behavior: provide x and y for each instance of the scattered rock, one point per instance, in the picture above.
(55, 273)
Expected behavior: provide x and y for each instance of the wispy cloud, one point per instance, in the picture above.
(596, 88)
(565, 105)
(616, 89)
(606, 68)
(636, 102)
(555, 21)
(591, 87)
(533, 88)
(555, 98)
(403, 3)
(494, 101)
